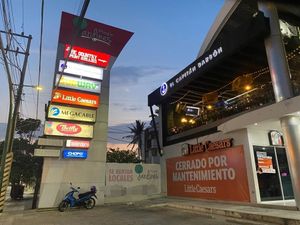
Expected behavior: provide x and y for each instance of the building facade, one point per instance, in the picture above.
(229, 121)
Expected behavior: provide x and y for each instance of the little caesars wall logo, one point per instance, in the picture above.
(149, 174)
(188, 149)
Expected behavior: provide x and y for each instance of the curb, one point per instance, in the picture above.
(234, 214)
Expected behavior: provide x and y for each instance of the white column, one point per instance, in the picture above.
(280, 76)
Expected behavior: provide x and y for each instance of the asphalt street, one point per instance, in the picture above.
(115, 215)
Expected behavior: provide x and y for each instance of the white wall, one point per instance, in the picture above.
(131, 182)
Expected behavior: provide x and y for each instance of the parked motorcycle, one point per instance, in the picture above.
(86, 199)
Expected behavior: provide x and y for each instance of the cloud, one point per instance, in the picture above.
(133, 108)
(132, 74)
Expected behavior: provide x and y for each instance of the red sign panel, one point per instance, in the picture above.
(75, 98)
(87, 56)
(218, 175)
(77, 144)
(96, 36)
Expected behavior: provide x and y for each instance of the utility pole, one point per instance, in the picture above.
(7, 154)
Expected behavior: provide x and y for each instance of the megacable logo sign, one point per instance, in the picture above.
(87, 56)
(78, 83)
(77, 144)
(80, 70)
(70, 113)
(75, 98)
(74, 154)
(68, 129)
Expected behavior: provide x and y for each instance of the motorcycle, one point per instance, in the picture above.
(86, 199)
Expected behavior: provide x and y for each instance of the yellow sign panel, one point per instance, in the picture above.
(68, 129)
(71, 113)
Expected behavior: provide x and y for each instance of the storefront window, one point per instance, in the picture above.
(290, 31)
(181, 116)
(273, 173)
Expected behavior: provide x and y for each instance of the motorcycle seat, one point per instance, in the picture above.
(85, 194)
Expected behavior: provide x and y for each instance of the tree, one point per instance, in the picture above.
(121, 156)
(136, 131)
(24, 166)
(25, 127)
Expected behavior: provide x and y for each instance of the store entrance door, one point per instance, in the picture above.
(273, 173)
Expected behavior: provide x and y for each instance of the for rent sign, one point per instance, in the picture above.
(81, 70)
(217, 175)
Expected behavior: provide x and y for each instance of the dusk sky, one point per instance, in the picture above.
(167, 37)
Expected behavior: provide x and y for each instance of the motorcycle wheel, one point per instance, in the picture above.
(63, 206)
(90, 203)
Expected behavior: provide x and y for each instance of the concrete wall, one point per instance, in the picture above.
(131, 182)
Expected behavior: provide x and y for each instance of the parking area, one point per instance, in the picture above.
(126, 214)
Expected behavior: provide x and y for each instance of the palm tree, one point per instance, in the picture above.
(136, 131)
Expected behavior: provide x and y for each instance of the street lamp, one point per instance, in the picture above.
(38, 88)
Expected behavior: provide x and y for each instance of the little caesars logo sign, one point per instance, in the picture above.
(187, 149)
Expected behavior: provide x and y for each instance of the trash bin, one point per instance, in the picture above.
(17, 191)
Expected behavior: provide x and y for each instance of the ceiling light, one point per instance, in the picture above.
(248, 87)
(184, 120)
(209, 107)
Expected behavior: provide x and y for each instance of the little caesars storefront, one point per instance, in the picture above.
(229, 121)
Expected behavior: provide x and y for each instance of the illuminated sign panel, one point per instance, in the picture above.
(81, 70)
(75, 98)
(78, 84)
(70, 113)
(87, 56)
(77, 144)
(68, 129)
(74, 154)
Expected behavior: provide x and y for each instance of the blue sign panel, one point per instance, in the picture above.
(74, 154)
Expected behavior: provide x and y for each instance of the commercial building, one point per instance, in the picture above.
(230, 121)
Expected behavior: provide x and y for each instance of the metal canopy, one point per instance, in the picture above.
(235, 52)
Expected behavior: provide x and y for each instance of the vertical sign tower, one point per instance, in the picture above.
(75, 133)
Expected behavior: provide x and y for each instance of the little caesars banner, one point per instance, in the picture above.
(213, 173)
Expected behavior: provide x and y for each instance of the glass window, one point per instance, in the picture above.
(267, 173)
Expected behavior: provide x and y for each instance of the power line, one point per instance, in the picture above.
(116, 139)
(40, 59)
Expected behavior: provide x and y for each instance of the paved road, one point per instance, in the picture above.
(114, 215)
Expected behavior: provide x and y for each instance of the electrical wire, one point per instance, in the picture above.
(40, 59)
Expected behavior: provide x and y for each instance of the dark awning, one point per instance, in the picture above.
(240, 51)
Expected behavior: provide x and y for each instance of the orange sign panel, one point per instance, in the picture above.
(218, 175)
(75, 98)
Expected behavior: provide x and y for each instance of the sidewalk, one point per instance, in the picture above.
(261, 213)
(18, 205)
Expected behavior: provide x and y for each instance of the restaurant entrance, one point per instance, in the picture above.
(273, 173)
